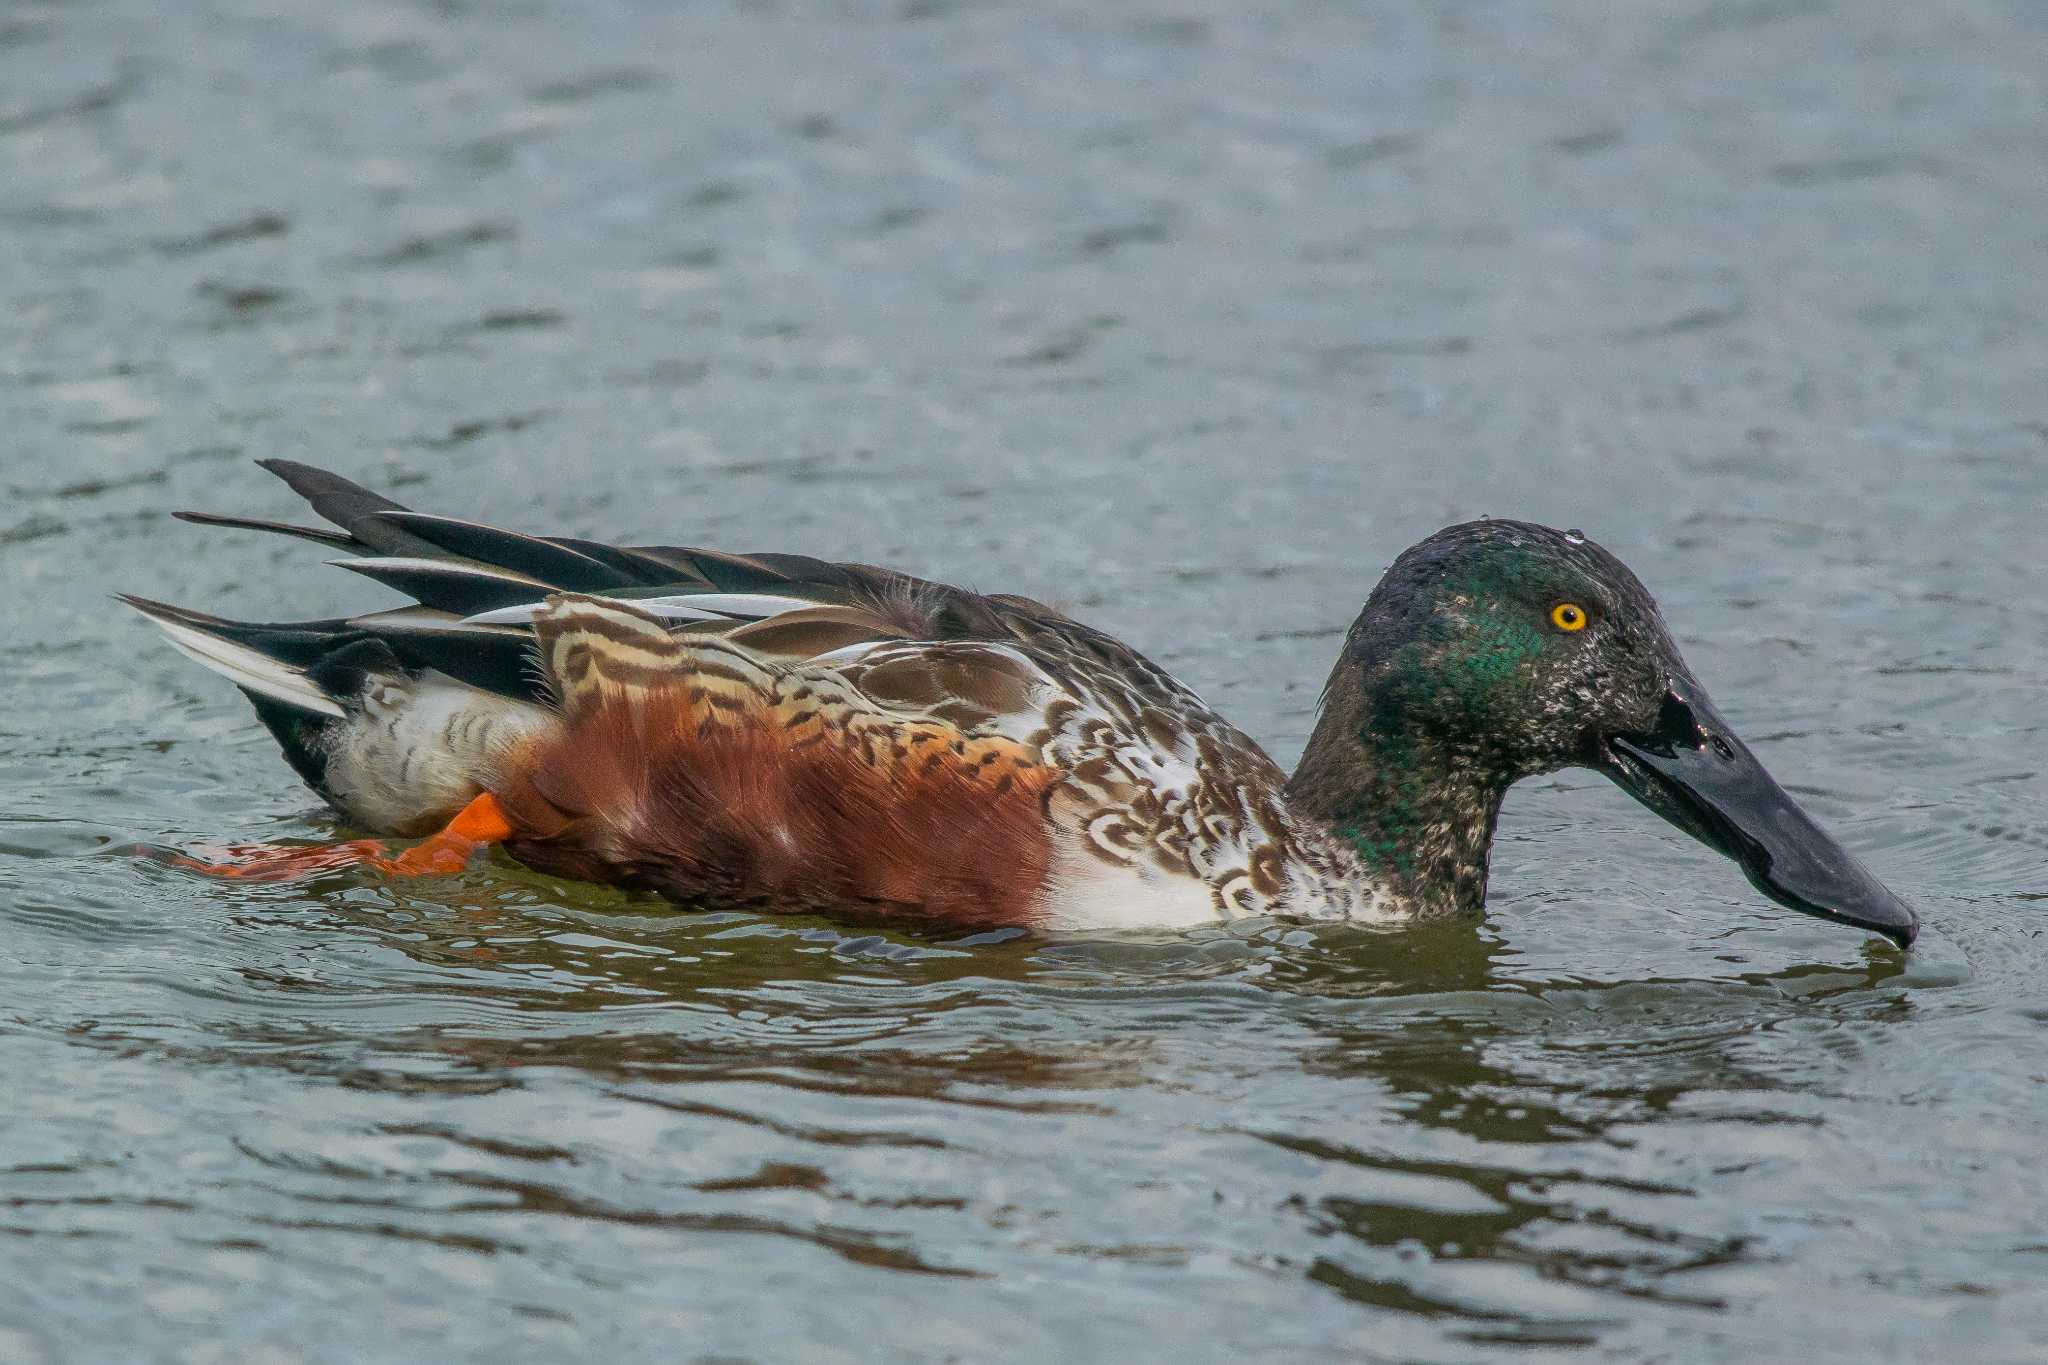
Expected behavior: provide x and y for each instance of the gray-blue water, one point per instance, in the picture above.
(1189, 316)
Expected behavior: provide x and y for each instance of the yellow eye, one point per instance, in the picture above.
(1568, 616)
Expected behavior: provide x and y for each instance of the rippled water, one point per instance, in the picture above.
(1190, 316)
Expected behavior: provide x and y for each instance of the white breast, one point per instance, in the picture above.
(1083, 891)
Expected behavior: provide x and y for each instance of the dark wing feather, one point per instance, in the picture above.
(726, 572)
(334, 497)
(462, 586)
(456, 568)
(912, 607)
(545, 561)
(338, 540)
(633, 565)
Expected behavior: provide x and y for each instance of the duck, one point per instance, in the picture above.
(779, 733)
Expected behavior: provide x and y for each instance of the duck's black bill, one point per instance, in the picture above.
(1693, 770)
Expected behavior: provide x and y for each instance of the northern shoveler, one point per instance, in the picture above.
(779, 732)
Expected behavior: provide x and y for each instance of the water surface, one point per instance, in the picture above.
(1189, 317)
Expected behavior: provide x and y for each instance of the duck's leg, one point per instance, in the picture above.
(479, 824)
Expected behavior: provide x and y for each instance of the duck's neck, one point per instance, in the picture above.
(1420, 813)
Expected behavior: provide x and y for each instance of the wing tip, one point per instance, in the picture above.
(290, 469)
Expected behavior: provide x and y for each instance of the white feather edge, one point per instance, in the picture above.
(247, 668)
(426, 620)
(465, 568)
(707, 606)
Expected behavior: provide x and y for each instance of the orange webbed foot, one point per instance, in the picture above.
(480, 824)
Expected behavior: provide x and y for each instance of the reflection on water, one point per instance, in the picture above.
(1419, 1125)
(1512, 1202)
(1187, 321)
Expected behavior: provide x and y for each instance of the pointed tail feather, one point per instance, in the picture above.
(392, 742)
(265, 672)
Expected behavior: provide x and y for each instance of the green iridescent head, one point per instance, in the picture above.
(1512, 646)
(1496, 650)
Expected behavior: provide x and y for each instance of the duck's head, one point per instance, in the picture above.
(1497, 650)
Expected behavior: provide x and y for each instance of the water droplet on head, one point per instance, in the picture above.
(1575, 537)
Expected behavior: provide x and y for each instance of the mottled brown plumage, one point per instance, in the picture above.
(692, 767)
